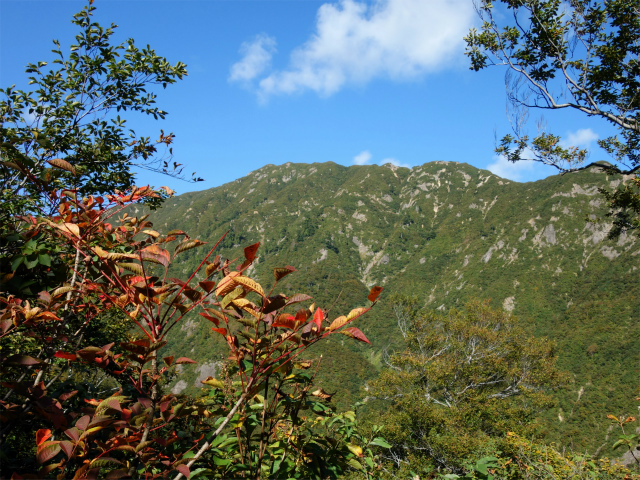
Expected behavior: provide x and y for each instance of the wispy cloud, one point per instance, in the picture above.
(362, 158)
(256, 58)
(521, 171)
(395, 162)
(355, 42)
(582, 138)
(517, 171)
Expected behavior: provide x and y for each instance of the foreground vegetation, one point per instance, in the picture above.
(93, 294)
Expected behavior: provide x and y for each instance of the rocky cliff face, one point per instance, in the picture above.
(445, 232)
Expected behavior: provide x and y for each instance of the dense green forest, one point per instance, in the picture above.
(550, 267)
(312, 320)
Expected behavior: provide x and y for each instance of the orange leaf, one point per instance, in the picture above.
(42, 435)
(373, 294)
(207, 286)
(250, 252)
(184, 360)
(221, 331)
(210, 318)
(284, 320)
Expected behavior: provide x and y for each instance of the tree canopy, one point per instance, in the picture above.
(580, 55)
(71, 112)
(465, 378)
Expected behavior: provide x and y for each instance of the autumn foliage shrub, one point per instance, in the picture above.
(250, 422)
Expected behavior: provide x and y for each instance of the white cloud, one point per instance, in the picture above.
(520, 171)
(255, 60)
(365, 156)
(355, 42)
(395, 162)
(582, 138)
(362, 158)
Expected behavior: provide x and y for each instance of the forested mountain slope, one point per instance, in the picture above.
(445, 232)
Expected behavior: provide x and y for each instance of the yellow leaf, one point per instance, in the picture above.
(227, 284)
(338, 322)
(134, 267)
(250, 284)
(355, 449)
(100, 252)
(71, 228)
(61, 290)
(151, 233)
(356, 312)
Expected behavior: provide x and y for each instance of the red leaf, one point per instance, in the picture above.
(183, 469)
(302, 315)
(250, 251)
(155, 253)
(168, 360)
(355, 333)
(281, 272)
(117, 474)
(210, 318)
(42, 435)
(47, 451)
(5, 325)
(66, 356)
(45, 297)
(207, 286)
(285, 321)
(67, 447)
(297, 298)
(22, 360)
(184, 360)
(89, 353)
(221, 331)
(73, 433)
(317, 317)
(373, 294)
(83, 422)
(66, 396)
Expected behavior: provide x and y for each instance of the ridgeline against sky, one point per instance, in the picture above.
(274, 82)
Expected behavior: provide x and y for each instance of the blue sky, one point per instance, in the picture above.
(352, 82)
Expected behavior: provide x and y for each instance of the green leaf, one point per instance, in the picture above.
(380, 442)
(44, 259)
(221, 462)
(16, 263)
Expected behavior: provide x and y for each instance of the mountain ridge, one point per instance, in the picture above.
(445, 232)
